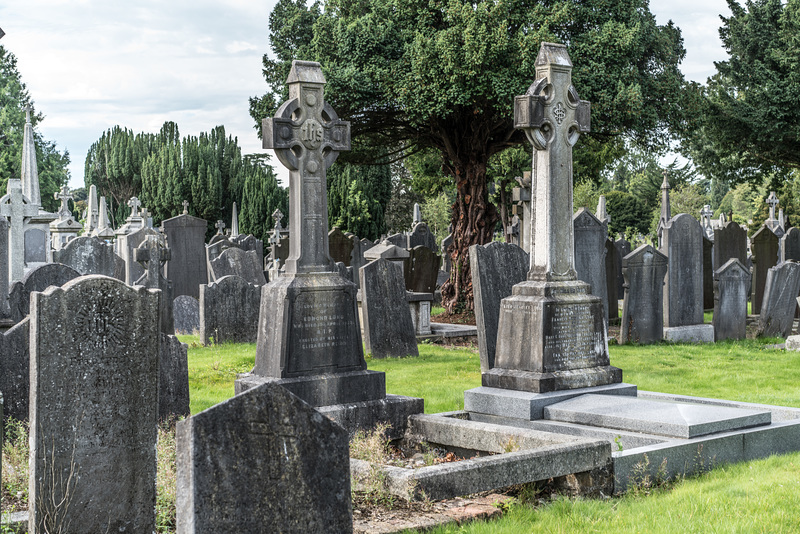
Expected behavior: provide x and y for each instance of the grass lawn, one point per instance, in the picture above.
(759, 496)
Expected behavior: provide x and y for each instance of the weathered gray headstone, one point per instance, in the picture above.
(229, 310)
(790, 245)
(18, 209)
(126, 244)
(682, 243)
(590, 250)
(765, 246)
(496, 268)
(422, 269)
(613, 261)
(388, 328)
(642, 321)
(173, 382)
(708, 274)
(38, 279)
(341, 246)
(94, 411)
(262, 461)
(187, 268)
(15, 370)
(731, 285)
(730, 241)
(398, 240)
(186, 311)
(249, 242)
(5, 310)
(152, 254)
(216, 246)
(780, 293)
(35, 246)
(623, 249)
(421, 235)
(88, 255)
(236, 262)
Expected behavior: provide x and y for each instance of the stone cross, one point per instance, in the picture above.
(706, 214)
(16, 208)
(521, 196)
(772, 201)
(553, 116)
(65, 196)
(417, 214)
(220, 226)
(186, 207)
(307, 137)
(666, 213)
(134, 204)
(152, 254)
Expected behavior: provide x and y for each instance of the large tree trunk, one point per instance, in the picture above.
(474, 221)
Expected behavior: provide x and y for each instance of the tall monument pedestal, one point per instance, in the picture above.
(551, 337)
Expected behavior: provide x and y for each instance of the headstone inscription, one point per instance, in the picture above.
(590, 250)
(309, 339)
(551, 333)
(38, 279)
(229, 310)
(780, 300)
(89, 255)
(642, 321)
(496, 268)
(731, 284)
(262, 460)
(682, 243)
(766, 247)
(94, 416)
(388, 328)
(186, 268)
(730, 241)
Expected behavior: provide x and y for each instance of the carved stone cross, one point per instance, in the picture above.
(186, 207)
(307, 137)
(152, 254)
(220, 226)
(16, 207)
(65, 196)
(772, 201)
(553, 116)
(134, 204)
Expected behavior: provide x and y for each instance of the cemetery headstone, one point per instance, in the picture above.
(708, 274)
(780, 300)
(590, 236)
(421, 235)
(38, 279)
(15, 370)
(496, 268)
(262, 460)
(92, 212)
(388, 328)
(94, 385)
(229, 310)
(186, 311)
(35, 246)
(152, 254)
(235, 261)
(773, 222)
(613, 262)
(682, 243)
(18, 210)
(173, 382)
(5, 310)
(104, 230)
(790, 246)
(642, 309)
(126, 244)
(731, 285)
(186, 268)
(421, 269)
(341, 247)
(765, 246)
(623, 249)
(249, 242)
(730, 241)
(89, 255)
(398, 240)
(551, 333)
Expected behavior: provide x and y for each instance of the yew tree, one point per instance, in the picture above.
(414, 75)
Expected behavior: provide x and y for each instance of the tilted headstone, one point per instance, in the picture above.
(94, 416)
(38, 279)
(229, 310)
(421, 235)
(765, 246)
(790, 245)
(173, 382)
(780, 293)
(249, 242)
(730, 241)
(187, 267)
(341, 246)
(236, 262)
(731, 285)
(388, 328)
(421, 269)
(642, 320)
(152, 254)
(496, 268)
(708, 274)
(682, 243)
(262, 461)
(89, 255)
(186, 311)
(551, 333)
(613, 263)
(15, 370)
(126, 244)
(590, 251)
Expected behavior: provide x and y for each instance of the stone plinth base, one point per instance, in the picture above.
(393, 410)
(530, 406)
(793, 343)
(695, 333)
(324, 389)
(547, 382)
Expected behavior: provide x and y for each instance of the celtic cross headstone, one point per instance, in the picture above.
(134, 203)
(64, 196)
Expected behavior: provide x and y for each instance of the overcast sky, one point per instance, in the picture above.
(90, 65)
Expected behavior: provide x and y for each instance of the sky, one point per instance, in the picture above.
(90, 65)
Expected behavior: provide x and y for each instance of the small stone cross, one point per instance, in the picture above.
(65, 196)
(220, 226)
(152, 254)
(307, 137)
(17, 208)
(134, 204)
(772, 201)
(186, 207)
(706, 213)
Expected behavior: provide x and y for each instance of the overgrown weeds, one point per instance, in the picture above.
(166, 473)
(15, 466)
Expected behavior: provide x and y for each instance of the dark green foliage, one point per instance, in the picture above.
(52, 164)
(626, 211)
(357, 198)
